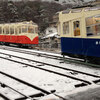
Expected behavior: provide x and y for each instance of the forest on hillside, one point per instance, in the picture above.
(38, 11)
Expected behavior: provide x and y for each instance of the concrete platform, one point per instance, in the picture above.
(91, 94)
(84, 93)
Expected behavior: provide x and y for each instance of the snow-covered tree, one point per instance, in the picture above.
(27, 13)
(12, 12)
(2, 17)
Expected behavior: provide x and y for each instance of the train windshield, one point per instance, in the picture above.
(93, 25)
(30, 29)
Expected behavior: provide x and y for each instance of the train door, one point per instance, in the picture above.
(77, 40)
(66, 41)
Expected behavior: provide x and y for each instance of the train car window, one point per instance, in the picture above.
(24, 29)
(7, 30)
(12, 30)
(76, 10)
(16, 30)
(30, 29)
(66, 28)
(59, 28)
(93, 25)
(0, 30)
(76, 28)
(19, 29)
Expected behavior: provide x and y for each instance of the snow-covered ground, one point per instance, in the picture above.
(48, 81)
(43, 79)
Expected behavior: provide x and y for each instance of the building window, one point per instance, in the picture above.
(66, 28)
(50, 31)
(76, 25)
(93, 25)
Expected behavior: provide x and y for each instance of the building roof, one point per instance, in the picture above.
(51, 35)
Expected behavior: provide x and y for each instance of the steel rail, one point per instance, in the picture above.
(72, 60)
(4, 97)
(53, 65)
(34, 53)
(31, 85)
(49, 71)
(5, 85)
(26, 83)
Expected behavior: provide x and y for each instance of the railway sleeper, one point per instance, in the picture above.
(38, 95)
(85, 84)
(31, 96)
(4, 86)
(80, 85)
(97, 81)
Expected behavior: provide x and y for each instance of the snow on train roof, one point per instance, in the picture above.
(52, 35)
(77, 10)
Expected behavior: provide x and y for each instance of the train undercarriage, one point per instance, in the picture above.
(19, 44)
(87, 59)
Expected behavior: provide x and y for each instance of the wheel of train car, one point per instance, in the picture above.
(2, 43)
(25, 47)
(7, 44)
(19, 45)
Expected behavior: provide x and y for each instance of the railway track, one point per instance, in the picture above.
(88, 79)
(39, 92)
(64, 59)
(65, 72)
(17, 95)
(32, 53)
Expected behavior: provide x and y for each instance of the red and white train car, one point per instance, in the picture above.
(21, 33)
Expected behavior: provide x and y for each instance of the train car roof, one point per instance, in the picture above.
(73, 14)
(77, 10)
(20, 23)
